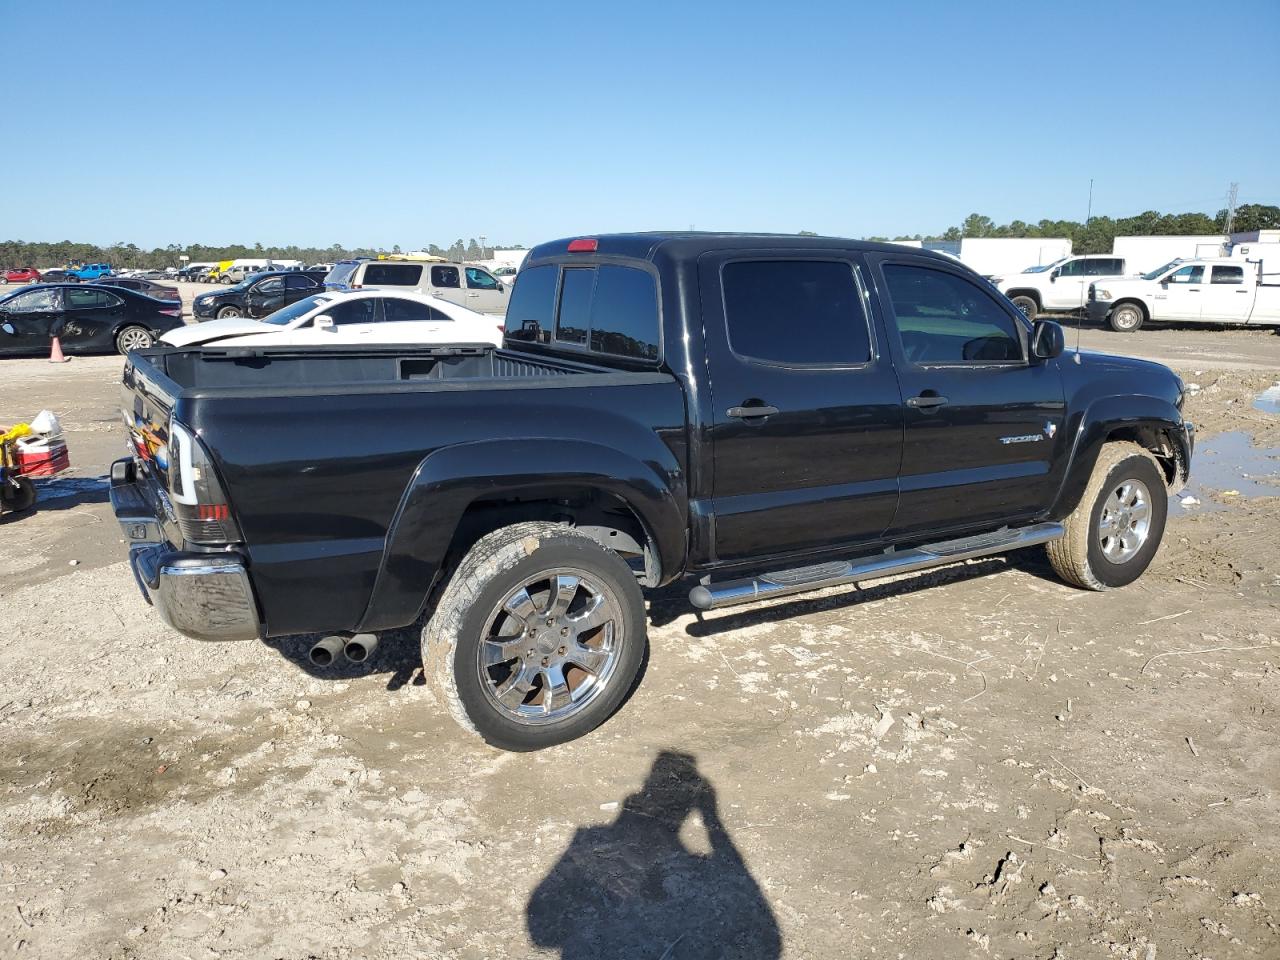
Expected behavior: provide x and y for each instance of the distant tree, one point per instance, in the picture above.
(1253, 216)
(806, 233)
(976, 225)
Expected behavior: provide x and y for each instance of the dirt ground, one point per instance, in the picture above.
(977, 761)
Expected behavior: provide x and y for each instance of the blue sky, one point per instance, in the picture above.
(408, 123)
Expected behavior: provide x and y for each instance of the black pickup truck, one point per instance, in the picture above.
(759, 415)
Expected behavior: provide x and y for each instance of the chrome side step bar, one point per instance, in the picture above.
(890, 563)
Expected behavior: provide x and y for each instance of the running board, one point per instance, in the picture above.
(890, 563)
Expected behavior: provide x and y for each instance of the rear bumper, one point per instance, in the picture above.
(206, 596)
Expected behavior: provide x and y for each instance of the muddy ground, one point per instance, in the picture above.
(973, 762)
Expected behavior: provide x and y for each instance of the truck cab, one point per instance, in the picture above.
(1219, 290)
(1059, 287)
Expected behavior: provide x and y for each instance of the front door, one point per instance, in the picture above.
(1227, 297)
(1068, 285)
(446, 283)
(1181, 294)
(806, 427)
(354, 322)
(27, 319)
(484, 292)
(983, 422)
(264, 297)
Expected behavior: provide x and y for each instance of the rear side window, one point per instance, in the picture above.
(395, 310)
(444, 277)
(944, 318)
(392, 274)
(795, 312)
(364, 310)
(1105, 268)
(531, 313)
(624, 313)
(1228, 275)
(575, 305)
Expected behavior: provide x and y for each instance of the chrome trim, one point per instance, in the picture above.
(714, 596)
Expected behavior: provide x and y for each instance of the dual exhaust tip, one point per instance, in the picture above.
(357, 649)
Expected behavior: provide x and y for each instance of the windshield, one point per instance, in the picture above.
(1158, 271)
(286, 315)
(1045, 266)
(340, 275)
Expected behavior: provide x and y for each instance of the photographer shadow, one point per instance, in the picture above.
(634, 889)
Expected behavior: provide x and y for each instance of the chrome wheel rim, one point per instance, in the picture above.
(1023, 307)
(135, 340)
(228, 312)
(1126, 521)
(550, 647)
(1126, 318)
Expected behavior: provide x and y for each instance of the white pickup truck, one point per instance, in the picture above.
(1189, 291)
(1058, 287)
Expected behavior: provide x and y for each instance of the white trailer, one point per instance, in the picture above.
(1144, 254)
(998, 256)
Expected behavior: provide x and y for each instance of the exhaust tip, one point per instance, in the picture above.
(360, 647)
(324, 653)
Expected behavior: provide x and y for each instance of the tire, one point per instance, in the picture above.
(134, 337)
(227, 313)
(19, 498)
(477, 603)
(1027, 305)
(4, 281)
(225, 281)
(1127, 318)
(1079, 557)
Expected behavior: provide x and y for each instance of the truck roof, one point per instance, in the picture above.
(684, 245)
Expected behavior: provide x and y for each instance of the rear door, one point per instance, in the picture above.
(297, 286)
(983, 423)
(445, 282)
(484, 291)
(807, 422)
(1228, 296)
(91, 317)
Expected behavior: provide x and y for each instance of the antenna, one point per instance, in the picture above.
(1080, 313)
(1231, 208)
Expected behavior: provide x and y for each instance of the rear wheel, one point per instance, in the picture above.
(18, 495)
(1027, 305)
(134, 338)
(1116, 529)
(1127, 318)
(537, 638)
(229, 312)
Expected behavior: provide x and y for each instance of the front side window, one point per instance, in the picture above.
(478, 279)
(393, 274)
(1187, 274)
(405, 311)
(1072, 268)
(574, 315)
(268, 287)
(531, 313)
(445, 277)
(943, 318)
(795, 312)
(33, 301)
(286, 315)
(1228, 275)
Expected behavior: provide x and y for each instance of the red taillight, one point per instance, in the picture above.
(172, 312)
(583, 246)
(213, 511)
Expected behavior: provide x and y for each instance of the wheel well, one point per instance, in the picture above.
(606, 518)
(1032, 293)
(1161, 446)
(1137, 303)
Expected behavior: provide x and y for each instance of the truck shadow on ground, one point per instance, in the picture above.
(664, 880)
(398, 654)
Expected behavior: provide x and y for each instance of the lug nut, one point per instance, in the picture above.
(546, 661)
(551, 622)
(529, 653)
(564, 631)
(561, 651)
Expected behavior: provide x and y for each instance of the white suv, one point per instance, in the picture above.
(468, 286)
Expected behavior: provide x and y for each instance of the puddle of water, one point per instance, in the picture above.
(1230, 461)
(1269, 400)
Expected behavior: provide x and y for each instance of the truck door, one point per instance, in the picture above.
(983, 422)
(484, 292)
(1067, 286)
(806, 430)
(1180, 294)
(1228, 296)
(446, 283)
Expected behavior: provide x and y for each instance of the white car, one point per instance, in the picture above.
(348, 317)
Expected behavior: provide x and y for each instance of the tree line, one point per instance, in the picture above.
(1097, 235)
(128, 256)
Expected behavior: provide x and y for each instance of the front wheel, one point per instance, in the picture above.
(537, 638)
(1126, 318)
(134, 338)
(227, 313)
(1116, 528)
(1027, 305)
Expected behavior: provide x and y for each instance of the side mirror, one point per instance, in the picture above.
(325, 322)
(8, 328)
(1047, 340)
(1053, 276)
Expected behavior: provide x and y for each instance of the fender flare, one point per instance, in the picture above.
(451, 479)
(1102, 418)
(1031, 292)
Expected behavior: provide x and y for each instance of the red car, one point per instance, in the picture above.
(22, 275)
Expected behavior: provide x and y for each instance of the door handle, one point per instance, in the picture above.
(927, 401)
(754, 412)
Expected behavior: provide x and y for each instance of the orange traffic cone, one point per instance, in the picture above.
(55, 355)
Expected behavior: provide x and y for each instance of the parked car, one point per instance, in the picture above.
(87, 318)
(1060, 286)
(257, 295)
(89, 271)
(338, 317)
(801, 412)
(326, 267)
(1189, 291)
(56, 276)
(193, 271)
(464, 284)
(157, 290)
(20, 275)
(506, 274)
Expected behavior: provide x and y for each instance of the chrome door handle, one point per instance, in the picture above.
(751, 413)
(927, 402)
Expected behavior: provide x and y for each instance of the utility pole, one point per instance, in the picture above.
(482, 239)
(1231, 208)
